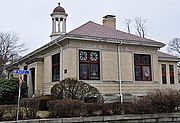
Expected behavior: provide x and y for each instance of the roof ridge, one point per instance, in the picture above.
(93, 29)
(80, 26)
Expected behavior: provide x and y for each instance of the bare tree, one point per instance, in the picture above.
(174, 46)
(140, 25)
(127, 24)
(10, 48)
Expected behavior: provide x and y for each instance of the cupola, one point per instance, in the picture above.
(58, 22)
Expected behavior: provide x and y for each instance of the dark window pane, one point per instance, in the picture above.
(25, 75)
(83, 55)
(94, 71)
(163, 68)
(137, 59)
(171, 80)
(146, 73)
(146, 59)
(171, 70)
(55, 73)
(83, 71)
(56, 67)
(164, 80)
(55, 59)
(94, 56)
(138, 74)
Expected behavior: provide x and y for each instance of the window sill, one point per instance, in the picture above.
(150, 82)
(92, 81)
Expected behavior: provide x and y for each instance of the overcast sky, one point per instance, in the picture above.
(31, 20)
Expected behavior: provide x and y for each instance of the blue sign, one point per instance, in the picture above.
(21, 71)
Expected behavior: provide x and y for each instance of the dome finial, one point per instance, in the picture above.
(59, 4)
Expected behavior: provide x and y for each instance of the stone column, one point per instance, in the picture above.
(54, 25)
(64, 25)
(59, 25)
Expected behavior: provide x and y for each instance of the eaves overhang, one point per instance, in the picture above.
(90, 38)
(168, 59)
(117, 41)
(35, 60)
(28, 56)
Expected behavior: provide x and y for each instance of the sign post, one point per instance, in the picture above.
(21, 78)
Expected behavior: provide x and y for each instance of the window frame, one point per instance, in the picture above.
(164, 74)
(141, 66)
(89, 64)
(55, 66)
(171, 74)
(25, 75)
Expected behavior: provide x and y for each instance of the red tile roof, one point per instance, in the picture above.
(96, 30)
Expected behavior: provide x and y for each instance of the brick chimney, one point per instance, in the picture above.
(109, 21)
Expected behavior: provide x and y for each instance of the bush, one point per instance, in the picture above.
(66, 108)
(129, 107)
(116, 108)
(9, 91)
(43, 102)
(72, 89)
(99, 109)
(7, 109)
(156, 101)
(94, 109)
(164, 100)
(31, 106)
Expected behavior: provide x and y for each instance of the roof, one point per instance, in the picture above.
(96, 32)
(91, 29)
(167, 57)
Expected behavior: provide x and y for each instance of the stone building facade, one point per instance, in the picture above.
(113, 61)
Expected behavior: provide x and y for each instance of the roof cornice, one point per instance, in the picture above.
(168, 59)
(111, 40)
(91, 38)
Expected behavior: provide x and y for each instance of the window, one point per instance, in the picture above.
(163, 68)
(171, 72)
(55, 67)
(89, 65)
(142, 67)
(25, 75)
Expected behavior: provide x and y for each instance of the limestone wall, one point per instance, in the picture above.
(69, 62)
(127, 61)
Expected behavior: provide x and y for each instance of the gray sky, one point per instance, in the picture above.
(31, 18)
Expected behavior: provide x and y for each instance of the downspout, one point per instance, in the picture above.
(119, 72)
(61, 60)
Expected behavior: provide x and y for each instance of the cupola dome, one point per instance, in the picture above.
(59, 9)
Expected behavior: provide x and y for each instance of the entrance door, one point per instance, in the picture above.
(32, 81)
